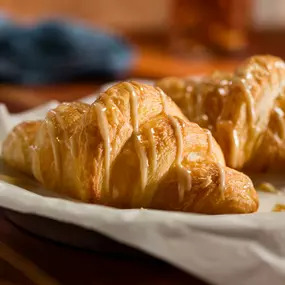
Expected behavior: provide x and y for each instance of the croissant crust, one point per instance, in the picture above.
(131, 148)
(244, 111)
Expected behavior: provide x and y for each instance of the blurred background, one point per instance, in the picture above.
(126, 38)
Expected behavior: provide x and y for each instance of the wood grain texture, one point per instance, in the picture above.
(67, 266)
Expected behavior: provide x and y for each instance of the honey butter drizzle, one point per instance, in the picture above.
(51, 129)
(104, 131)
(235, 148)
(136, 134)
(111, 106)
(249, 100)
(153, 161)
(210, 141)
(221, 171)
(184, 175)
(234, 140)
(280, 120)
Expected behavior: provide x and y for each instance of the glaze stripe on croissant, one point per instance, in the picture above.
(244, 110)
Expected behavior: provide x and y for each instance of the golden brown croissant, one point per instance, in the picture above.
(131, 148)
(244, 110)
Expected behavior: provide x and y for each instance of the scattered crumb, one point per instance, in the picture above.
(278, 208)
(8, 179)
(267, 187)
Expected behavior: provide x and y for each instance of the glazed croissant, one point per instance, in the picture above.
(131, 148)
(244, 111)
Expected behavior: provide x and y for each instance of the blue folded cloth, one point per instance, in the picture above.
(59, 51)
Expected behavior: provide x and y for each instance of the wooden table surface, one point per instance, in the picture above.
(28, 260)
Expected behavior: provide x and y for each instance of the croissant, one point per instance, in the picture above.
(131, 148)
(244, 110)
